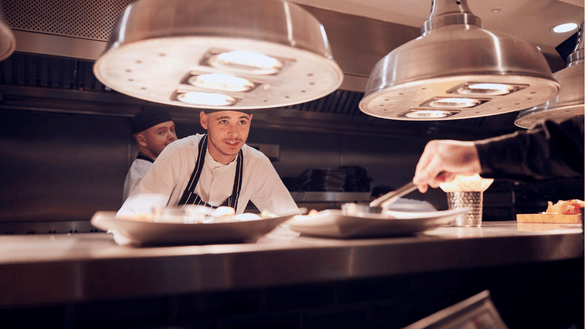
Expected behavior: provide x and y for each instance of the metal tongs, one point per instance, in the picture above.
(380, 205)
(389, 198)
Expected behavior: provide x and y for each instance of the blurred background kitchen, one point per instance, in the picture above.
(65, 148)
(66, 143)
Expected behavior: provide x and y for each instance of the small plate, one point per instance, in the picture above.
(137, 232)
(332, 223)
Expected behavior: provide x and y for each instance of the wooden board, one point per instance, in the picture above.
(540, 227)
(549, 218)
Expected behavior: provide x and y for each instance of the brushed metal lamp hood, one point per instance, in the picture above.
(569, 101)
(7, 40)
(219, 54)
(457, 70)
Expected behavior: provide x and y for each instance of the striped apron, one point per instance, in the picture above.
(191, 198)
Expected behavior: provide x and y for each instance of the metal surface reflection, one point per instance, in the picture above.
(569, 101)
(453, 53)
(159, 48)
(7, 40)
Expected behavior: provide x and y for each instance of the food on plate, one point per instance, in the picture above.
(223, 215)
(191, 214)
(248, 216)
(563, 212)
(565, 207)
(267, 214)
(460, 183)
(313, 212)
(140, 217)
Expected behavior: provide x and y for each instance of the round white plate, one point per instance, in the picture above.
(333, 223)
(137, 232)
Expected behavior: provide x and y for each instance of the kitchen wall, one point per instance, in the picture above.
(65, 146)
(60, 167)
(64, 167)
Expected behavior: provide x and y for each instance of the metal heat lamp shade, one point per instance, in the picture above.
(219, 54)
(569, 101)
(457, 70)
(7, 40)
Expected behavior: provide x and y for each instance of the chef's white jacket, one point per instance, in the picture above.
(137, 170)
(166, 180)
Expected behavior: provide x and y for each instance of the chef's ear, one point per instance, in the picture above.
(203, 119)
(141, 139)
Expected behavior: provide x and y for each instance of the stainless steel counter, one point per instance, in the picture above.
(83, 267)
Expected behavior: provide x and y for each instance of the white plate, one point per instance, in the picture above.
(333, 224)
(138, 232)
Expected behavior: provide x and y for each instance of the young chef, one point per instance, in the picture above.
(546, 151)
(153, 129)
(213, 169)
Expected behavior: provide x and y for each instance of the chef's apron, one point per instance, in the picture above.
(191, 198)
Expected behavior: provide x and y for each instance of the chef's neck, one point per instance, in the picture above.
(221, 157)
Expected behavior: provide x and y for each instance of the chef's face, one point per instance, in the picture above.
(156, 138)
(227, 131)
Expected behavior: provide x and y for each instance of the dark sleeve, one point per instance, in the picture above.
(547, 151)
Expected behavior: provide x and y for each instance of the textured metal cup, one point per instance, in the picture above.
(474, 200)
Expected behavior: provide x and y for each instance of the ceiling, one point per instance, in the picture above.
(58, 41)
(530, 20)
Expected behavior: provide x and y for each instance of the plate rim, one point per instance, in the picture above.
(336, 226)
(131, 229)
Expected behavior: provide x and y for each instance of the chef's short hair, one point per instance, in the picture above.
(248, 112)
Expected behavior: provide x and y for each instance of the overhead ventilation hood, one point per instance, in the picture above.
(228, 54)
(51, 70)
(457, 70)
(569, 101)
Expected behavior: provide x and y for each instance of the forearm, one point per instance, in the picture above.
(545, 152)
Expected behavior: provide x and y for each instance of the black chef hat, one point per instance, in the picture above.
(147, 118)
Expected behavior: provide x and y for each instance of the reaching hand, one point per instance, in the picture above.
(447, 158)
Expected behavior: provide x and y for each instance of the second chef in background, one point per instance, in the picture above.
(213, 169)
(153, 129)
